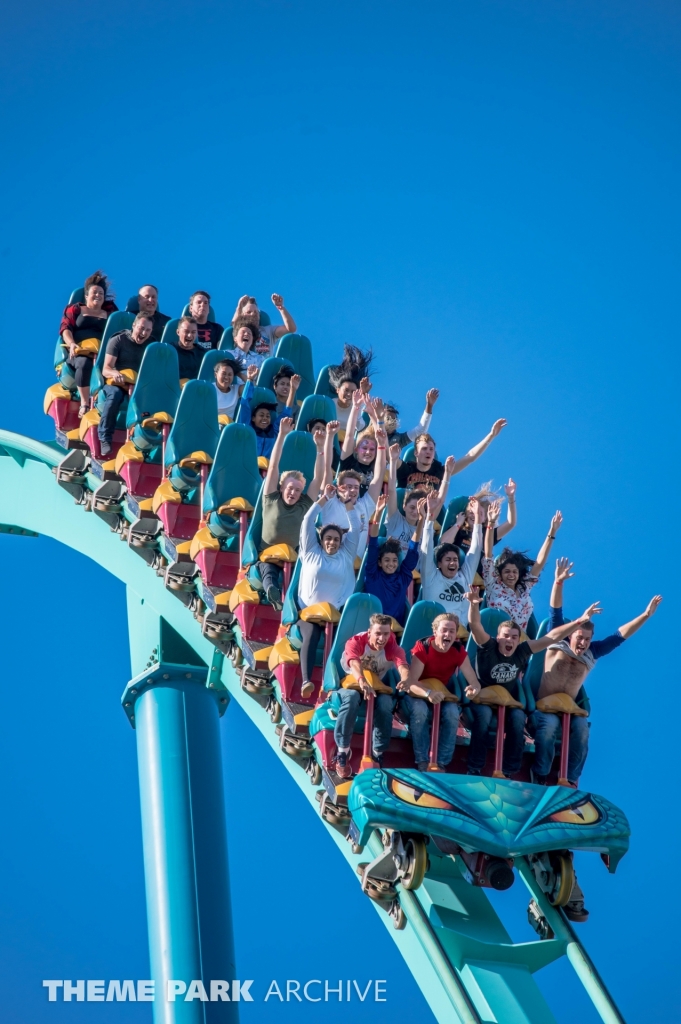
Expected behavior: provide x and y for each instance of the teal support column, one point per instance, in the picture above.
(175, 710)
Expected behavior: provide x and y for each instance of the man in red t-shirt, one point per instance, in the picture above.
(434, 663)
(367, 658)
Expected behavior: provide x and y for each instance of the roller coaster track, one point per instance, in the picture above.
(454, 944)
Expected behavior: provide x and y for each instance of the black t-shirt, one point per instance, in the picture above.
(190, 360)
(464, 537)
(128, 352)
(495, 669)
(209, 335)
(367, 472)
(409, 475)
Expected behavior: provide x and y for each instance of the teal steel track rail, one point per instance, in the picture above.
(454, 944)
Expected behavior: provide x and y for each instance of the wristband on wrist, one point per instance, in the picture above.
(550, 536)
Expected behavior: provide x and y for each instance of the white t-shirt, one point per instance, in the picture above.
(398, 527)
(342, 415)
(227, 400)
(335, 512)
(326, 577)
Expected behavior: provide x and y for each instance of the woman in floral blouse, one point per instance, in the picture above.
(509, 580)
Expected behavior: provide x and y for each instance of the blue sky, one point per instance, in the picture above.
(488, 195)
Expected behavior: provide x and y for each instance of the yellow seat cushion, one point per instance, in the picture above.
(165, 492)
(320, 613)
(184, 547)
(304, 717)
(88, 347)
(146, 505)
(203, 540)
(350, 683)
(496, 695)
(222, 600)
(278, 553)
(234, 506)
(437, 684)
(156, 420)
(183, 381)
(262, 655)
(197, 459)
(243, 593)
(224, 420)
(462, 633)
(561, 703)
(395, 626)
(127, 453)
(129, 375)
(283, 653)
(416, 575)
(263, 462)
(90, 419)
(478, 581)
(53, 392)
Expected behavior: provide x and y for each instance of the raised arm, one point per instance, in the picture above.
(317, 482)
(375, 520)
(423, 425)
(474, 621)
(392, 479)
(289, 323)
(309, 541)
(374, 488)
(563, 573)
(479, 448)
(272, 477)
(450, 470)
(629, 628)
(420, 522)
(492, 517)
(353, 536)
(545, 549)
(449, 535)
(331, 430)
(560, 632)
(349, 440)
(293, 385)
(470, 566)
(512, 514)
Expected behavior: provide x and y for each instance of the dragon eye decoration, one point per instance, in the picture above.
(419, 797)
(583, 813)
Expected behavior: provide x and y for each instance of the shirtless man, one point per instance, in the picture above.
(567, 665)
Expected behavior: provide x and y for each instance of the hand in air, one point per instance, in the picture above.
(473, 596)
(556, 523)
(295, 381)
(379, 406)
(333, 426)
(653, 605)
(252, 373)
(330, 492)
(510, 489)
(433, 504)
(380, 504)
(278, 300)
(286, 425)
(370, 408)
(395, 451)
(497, 427)
(563, 567)
(365, 385)
(493, 512)
(381, 436)
(436, 696)
(593, 609)
(432, 397)
(450, 464)
(358, 397)
(319, 437)
(422, 507)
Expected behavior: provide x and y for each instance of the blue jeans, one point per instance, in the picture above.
(418, 712)
(483, 717)
(350, 701)
(547, 731)
(113, 400)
